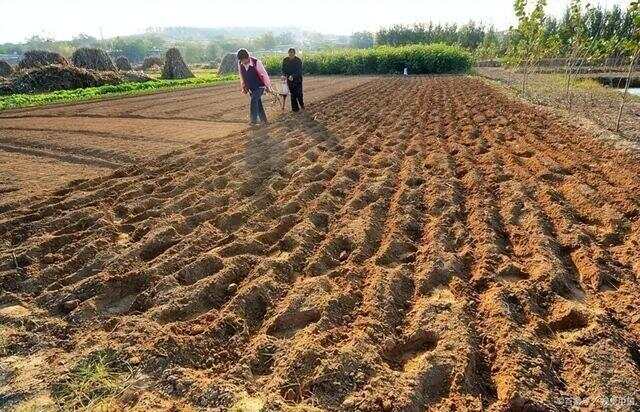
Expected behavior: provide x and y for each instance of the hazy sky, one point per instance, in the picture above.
(64, 19)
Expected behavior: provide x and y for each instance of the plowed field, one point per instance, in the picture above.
(44, 148)
(406, 245)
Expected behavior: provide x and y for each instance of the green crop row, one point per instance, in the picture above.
(15, 101)
(419, 59)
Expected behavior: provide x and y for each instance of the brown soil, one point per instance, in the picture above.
(44, 148)
(407, 244)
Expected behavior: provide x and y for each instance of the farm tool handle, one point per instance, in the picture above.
(276, 99)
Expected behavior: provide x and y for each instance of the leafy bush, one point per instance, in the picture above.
(420, 59)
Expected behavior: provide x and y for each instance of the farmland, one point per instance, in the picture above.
(587, 98)
(14, 101)
(43, 148)
(405, 244)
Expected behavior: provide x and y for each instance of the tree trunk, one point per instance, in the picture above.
(568, 73)
(626, 88)
(524, 78)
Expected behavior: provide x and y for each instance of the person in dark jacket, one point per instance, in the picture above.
(255, 81)
(292, 71)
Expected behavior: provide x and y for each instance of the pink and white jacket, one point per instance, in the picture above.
(262, 72)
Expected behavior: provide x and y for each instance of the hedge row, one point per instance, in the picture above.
(419, 59)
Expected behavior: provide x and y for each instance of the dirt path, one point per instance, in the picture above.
(44, 148)
(442, 247)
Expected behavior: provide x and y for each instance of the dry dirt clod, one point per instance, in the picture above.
(338, 312)
(70, 305)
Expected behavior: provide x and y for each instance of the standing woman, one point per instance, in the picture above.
(292, 71)
(254, 80)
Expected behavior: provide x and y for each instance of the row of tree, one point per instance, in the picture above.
(607, 30)
(583, 31)
(137, 47)
(587, 35)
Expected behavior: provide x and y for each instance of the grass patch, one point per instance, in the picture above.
(94, 383)
(16, 101)
(419, 58)
(248, 404)
(4, 340)
(38, 404)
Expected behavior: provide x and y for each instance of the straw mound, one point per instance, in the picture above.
(229, 64)
(151, 62)
(55, 77)
(123, 64)
(40, 58)
(5, 69)
(93, 59)
(174, 66)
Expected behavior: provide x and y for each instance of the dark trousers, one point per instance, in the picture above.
(257, 110)
(297, 100)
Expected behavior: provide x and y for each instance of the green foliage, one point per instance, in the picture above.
(192, 51)
(24, 100)
(491, 46)
(135, 48)
(362, 40)
(266, 41)
(608, 32)
(420, 59)
(634, 11)
(214, 52)
(470, 35)
(529, 38)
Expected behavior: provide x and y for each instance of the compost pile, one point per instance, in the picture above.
(56, 77)
(5, 69)
(40, 58)
(93, 59)
(151, 62)
(123, 64)
(135, 77)
(229, 64)
(174, 66)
